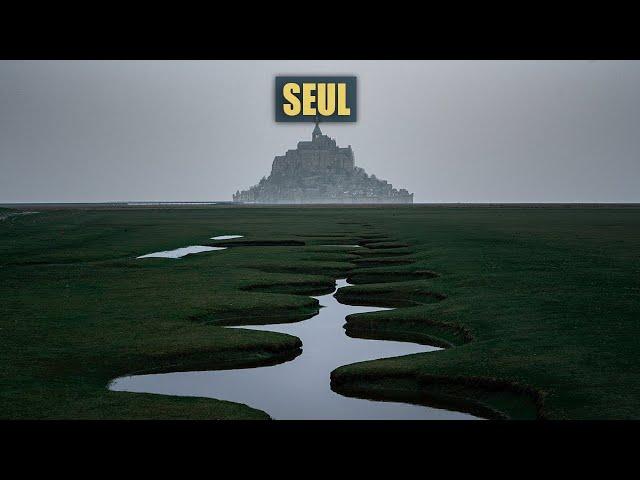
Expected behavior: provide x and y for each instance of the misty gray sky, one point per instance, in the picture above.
(459, 131)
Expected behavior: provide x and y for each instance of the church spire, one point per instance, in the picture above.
(316, 131)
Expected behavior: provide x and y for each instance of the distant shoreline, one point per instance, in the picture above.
(133, 205)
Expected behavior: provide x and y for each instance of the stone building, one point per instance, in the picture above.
(319, 171)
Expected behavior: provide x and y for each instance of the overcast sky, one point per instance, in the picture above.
(463, 131)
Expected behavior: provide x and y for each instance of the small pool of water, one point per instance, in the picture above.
(299, 389)
(181, 252)
(226, 237)
(343, 246)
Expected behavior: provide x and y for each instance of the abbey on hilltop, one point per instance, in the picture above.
(320, 172)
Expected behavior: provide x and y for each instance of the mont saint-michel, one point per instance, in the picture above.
(319, 171)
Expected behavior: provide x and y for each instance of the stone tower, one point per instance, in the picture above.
(316, 131)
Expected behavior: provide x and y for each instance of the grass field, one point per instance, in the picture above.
(539, 305)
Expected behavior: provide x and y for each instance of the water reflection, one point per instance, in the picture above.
(299, 389)
(181, 252)
(226, 237)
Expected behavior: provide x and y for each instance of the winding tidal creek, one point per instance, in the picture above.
(299, 389)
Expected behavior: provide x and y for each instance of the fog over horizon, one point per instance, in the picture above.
(449, 131)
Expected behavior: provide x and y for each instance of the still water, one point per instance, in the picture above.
(226, 237)
(299, 389)
(342, 246)
(181, 252)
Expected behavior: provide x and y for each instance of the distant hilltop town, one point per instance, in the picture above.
(318, 171)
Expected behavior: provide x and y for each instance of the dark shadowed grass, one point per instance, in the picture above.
(536, 303)
(78, 308)
(544, 300)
